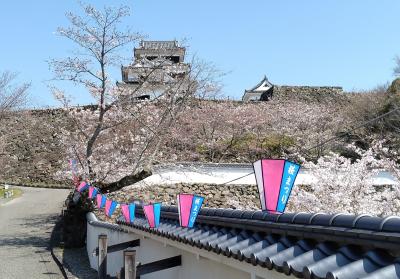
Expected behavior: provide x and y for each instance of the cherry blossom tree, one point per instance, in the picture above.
(98, 38)
(121, 134)
(12, 96)
(340, 185)
(231, 131)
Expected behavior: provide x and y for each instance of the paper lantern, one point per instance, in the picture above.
(92, 192)
(101, 200)
(82, 186)
(275, 179)
(110, 207)
(152, 213)
(189, 207)
(129, 212)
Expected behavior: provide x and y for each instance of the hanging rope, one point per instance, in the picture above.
(237, 178)
(397, 109)
(353, 129)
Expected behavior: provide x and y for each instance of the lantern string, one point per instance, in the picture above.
(332, 138)
(237, 178)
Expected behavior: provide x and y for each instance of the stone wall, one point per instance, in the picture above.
(309, 93)
(32, 153)
(219, 196)
(244, 197)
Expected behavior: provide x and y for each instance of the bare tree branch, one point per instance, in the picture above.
(12, 96)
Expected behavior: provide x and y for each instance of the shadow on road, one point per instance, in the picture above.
(77, 262)
(38, 221)
(35, 232)
(30, 241)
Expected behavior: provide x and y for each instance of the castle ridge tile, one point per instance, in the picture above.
(369, 223)
(303, 218)
(344, 221)
(236, 214)
(286, 218)
(391, 224)
(321, 219)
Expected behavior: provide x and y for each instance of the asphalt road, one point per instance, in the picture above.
(25, 228)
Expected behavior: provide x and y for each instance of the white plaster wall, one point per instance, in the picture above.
(114, 260)
(221, 175)
(148, 251)
(200, 268)
(193, 265)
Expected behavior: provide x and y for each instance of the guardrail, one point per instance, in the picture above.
(8, 194)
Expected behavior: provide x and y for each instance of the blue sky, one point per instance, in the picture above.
(344, 43)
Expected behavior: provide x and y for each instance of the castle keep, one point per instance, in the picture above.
(156, 63)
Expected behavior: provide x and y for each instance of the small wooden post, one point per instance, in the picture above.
(130, 264)
(102, 267)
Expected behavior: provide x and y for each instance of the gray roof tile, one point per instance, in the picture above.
(322, 267)
(389, 272)
(262, 257)
(291, 252)
(354, 269)
(297, 264)
(257, 246)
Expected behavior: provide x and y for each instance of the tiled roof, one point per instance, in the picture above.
(159, 44)
(264, 80)
(300, 244)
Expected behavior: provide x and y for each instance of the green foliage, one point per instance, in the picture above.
(394, 88)
(17, 192)
(242, 142)
(277, 144)
(202, 149)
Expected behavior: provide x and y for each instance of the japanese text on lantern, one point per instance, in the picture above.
(196, 207)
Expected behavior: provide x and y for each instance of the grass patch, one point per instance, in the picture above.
(17, 192)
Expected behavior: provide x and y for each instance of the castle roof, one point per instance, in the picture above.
(261, 92)
(159, 45)
(262, 86)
